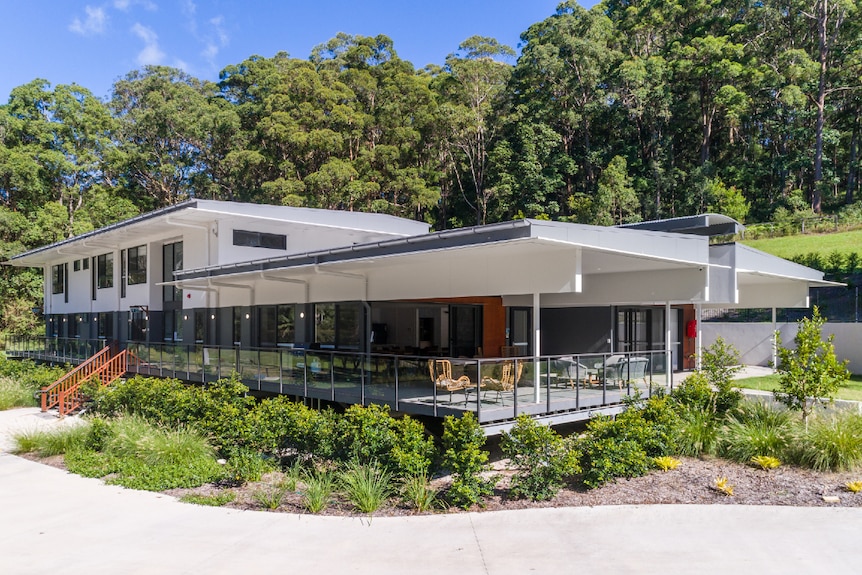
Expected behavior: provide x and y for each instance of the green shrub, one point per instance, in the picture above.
(245, 465)
(695, 393)
(20, 380)
(832, 443)
(542, 457)
(608, 451)
(370, 434)
(755, 429)
(366, 485)
(653, 423)
(463, 440)
(281, 424)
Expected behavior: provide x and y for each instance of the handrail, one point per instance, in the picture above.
(71, 398)
(51, 393)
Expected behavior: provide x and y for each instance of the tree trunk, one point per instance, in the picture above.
(820, 103)
(851, 168)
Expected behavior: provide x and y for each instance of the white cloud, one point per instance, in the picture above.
(151, 53)
(93, 24)
(214, 41)
(125, 4)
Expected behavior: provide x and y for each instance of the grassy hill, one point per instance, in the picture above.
(789, 246)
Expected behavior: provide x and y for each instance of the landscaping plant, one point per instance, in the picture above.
(755, 429)
(832, 443)
(464, 457)
(319, 486)
(810, 370)
(418, 493)
(366, 485)
(542, 457)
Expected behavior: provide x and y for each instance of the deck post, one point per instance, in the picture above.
(698, 316)
(537, 348)
(668, 343)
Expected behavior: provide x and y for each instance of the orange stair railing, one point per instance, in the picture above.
(106, 366)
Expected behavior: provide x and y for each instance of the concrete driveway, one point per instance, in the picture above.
(52, 521)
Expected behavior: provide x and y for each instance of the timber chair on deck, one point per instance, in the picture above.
(508, 379)
(441, 375)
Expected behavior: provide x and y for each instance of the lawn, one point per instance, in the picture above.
(852, 390)
(789, 246)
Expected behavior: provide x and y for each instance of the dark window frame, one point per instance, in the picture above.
(136, 265)
(250, 239)
(58, 279)
(105, 271)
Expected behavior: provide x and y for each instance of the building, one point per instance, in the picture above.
(350, 307)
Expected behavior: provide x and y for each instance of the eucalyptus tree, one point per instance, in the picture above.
(562, 81)
(472, 87)
(164, 122)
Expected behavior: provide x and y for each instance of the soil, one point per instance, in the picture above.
(693, 482)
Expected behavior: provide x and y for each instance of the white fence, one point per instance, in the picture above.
(754, 340)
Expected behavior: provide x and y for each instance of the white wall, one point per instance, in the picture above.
(754, 340)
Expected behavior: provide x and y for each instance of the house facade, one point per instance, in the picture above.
(366, 294)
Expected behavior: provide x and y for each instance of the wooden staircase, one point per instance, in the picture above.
(106, 366)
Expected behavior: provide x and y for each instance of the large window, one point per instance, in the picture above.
(105, 271)
(259, 240)
(136, 260)
(58, 279)
(337, 325)
(276, 325)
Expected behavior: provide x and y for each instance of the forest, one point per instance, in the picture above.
(634, 109)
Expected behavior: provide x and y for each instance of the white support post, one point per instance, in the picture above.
(667, 344)
(774, 340)
(537, 347)
(698, 354)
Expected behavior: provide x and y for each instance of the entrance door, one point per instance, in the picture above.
(465, 330)
(642, 329)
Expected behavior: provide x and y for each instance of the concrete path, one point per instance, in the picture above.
(52, 521)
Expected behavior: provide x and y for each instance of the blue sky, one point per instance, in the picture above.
(94, 42)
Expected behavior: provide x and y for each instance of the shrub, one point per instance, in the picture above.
(369, 434)
(853, 486)
(755, 429)
(542, 458)
(281, 424)
(463, 440)
(245, 465)
(607, 452)
(367, 485)
(722, 486)
(832, 443)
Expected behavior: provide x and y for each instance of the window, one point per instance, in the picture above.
(276, 325)
(172, 260)
(77, 265)
(86, 263)
(173, 328)
(136, 260)
(337, 325)
(105, 271)
(259, 240)
(58, 278)
(104, 325)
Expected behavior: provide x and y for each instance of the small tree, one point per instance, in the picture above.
(464, 457)
(811, 370)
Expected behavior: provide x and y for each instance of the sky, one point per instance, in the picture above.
(94, 43)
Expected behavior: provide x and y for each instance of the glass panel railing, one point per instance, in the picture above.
(380, 387)
(318, 374)
(348, 376)
(270, 371)
(293, 371)
(249, 367)
(196, 363)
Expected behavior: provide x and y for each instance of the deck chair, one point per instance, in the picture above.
(508, 379)
(441, 375)
(627, 369)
